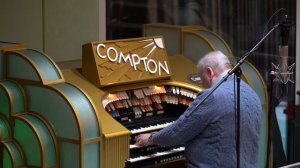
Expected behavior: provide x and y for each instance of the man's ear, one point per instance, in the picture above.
(210, 71)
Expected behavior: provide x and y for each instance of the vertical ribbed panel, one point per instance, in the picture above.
(115, 152)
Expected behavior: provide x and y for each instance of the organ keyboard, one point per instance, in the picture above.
(156, 158)
(150, 128)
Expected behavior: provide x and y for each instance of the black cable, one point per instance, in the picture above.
(266, 25)
(276, 12)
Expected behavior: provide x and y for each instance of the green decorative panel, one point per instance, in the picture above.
(46, 138)
(24, 70)
(4, 129)
(29, 142)
(55, 109)
(92, 155)
(215, 40)
(69, 155)
(4, 102)
(255, 82)
(18, 100)
(7, 160)
(263, 139)
(84, 110)
(43, 63)
(193, 47)
(258, 86)
(16, 154)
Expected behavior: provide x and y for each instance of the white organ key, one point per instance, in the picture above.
(173, 90)
(188, 93)
(194, 96)
(184, 92)
(177, 90)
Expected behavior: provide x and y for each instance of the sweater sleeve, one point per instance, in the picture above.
(186, 128)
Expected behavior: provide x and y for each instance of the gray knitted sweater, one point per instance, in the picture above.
(209, 132)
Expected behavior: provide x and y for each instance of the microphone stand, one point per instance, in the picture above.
(236, 70)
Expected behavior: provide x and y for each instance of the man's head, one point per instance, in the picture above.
(211, 66)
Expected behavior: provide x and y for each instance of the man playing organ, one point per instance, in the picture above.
(209, 133)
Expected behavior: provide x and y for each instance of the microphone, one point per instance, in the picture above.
(284, 71)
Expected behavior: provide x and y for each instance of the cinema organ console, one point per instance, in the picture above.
(89, 117)
(145, 97)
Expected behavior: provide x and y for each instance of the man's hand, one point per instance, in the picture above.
(143, 139)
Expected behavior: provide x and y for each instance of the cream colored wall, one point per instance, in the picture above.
(68, 25)
(297, 99)
(102, 18)
(22, 22)
(58, 28)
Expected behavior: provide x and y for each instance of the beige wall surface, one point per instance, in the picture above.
(21, 22)
(58, 28)
(102, 18)
(68, 25)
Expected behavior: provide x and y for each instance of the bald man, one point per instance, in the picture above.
(208, 134)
